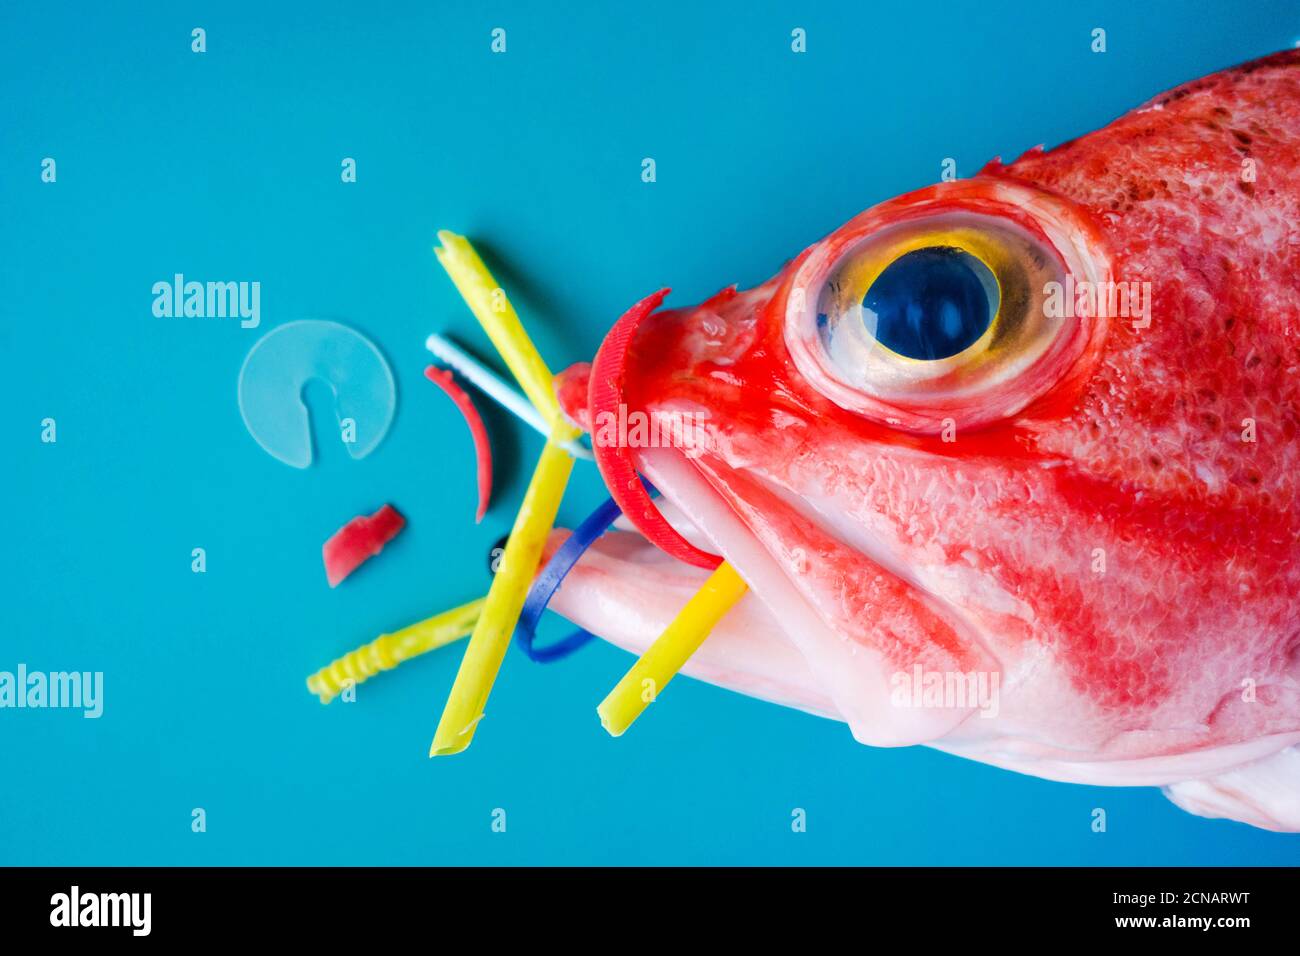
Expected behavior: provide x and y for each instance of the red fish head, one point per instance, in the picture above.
(1009, 463)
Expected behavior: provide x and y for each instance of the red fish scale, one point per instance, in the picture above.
(1164, 413)
(1166, 406)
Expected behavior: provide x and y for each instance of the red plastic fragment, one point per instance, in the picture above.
(482, 448)
(605, 394)
(359, 540)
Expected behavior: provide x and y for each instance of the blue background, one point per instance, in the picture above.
(225, 166)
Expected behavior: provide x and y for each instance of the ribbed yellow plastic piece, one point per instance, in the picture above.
(388, 650)
(505, 600)
(660, 663)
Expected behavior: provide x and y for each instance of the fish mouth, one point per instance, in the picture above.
(627, 591)
(787, 640)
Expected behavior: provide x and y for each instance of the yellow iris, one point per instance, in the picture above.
(857, 277)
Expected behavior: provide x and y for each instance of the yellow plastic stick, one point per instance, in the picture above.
(494, 312)
(505, 600)
(523, 552)
(670, 651)
(388, 650)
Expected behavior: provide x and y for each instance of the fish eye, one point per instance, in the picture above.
(921, 319)
(931, 303)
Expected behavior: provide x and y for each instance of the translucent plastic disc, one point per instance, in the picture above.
(288, 357)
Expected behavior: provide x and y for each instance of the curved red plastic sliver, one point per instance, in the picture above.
(482, 448)
(358, 541)
(605, 394)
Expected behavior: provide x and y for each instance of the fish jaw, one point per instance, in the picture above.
(779, 643)
(628, 591)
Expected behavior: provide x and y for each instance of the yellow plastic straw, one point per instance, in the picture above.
(505, 600)
(388, 650)
(497, 316)
(671, 650)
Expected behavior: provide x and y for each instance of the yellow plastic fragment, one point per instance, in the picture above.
(505, 600)
(388, 650)
(671, 650)
(494, 312)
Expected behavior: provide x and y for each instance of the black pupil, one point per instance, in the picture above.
(932, 303)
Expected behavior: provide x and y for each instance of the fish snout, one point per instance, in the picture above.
(571, 390)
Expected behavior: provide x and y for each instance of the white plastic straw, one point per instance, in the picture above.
(486, 381)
